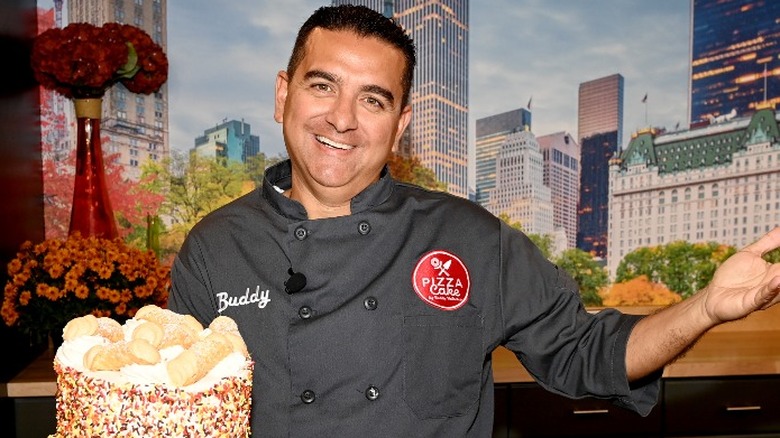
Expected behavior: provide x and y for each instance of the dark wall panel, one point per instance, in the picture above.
(21, 183)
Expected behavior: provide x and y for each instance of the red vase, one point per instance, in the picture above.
(91, 214)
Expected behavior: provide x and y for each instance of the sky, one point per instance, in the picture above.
(224, 57)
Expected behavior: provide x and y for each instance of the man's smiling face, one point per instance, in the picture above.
(341, 112)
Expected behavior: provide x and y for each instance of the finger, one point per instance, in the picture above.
(774, 283)
(771, 295)
(765, 244)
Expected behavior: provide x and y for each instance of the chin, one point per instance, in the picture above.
(333, 176)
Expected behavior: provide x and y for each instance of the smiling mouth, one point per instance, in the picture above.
(334, 144)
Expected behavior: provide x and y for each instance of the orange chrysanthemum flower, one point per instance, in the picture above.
(54, 281)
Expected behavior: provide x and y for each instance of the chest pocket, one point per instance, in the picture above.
(442, 364)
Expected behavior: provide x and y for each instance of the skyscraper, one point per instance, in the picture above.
(491, 132)
(520, 192)
(600, 126)
(561, 155)
(437, 134)
(230, 139)
(438, 130)
(136, 124)
(735, 57)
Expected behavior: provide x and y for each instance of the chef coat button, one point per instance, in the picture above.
(300, 233)
(308, 396)
(364, 228)
(370, 303)
(305, 312)
(372, 393)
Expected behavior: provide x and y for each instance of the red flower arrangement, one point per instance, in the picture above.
(82, 60)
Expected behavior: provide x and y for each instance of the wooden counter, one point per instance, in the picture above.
(37, 380)
(747, 347)
(716, 354)
(750, 346)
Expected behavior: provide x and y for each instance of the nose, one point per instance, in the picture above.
(342, 115)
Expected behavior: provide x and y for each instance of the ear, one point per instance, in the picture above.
(282, 80)
(403, 122)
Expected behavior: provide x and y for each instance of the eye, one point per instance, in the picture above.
(374, 102)
(324, 88)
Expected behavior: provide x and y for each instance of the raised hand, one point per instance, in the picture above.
(745, 282)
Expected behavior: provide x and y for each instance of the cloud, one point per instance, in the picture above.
(281, 22)
(225, 56)
(224, 59)
(548, 48)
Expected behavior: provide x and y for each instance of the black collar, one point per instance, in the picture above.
(278, 178)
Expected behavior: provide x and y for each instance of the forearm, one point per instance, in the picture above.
(662, 337)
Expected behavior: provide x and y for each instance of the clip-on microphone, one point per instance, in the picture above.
(295, 283)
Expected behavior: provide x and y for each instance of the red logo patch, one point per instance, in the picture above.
(441, 280)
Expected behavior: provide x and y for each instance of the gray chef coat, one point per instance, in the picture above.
(359, 351)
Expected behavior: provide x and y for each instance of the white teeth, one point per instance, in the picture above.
(334, 144)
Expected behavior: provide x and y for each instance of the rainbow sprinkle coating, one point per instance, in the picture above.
(92, 407)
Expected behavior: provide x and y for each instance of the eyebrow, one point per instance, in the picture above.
(375, 89)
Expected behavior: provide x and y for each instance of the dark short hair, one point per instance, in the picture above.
(364, 22)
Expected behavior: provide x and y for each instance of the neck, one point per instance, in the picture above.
(321, 206)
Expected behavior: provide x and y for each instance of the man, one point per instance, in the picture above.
(371, 307)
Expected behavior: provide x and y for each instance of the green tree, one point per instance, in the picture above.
(773, 256)
(544, 242)
(688, 267)
(193, 186)
(590, 276)
(681, 266)
(505, 217)
(256, 165)
(641, 261)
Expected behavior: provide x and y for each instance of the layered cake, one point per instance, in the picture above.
(158, 374)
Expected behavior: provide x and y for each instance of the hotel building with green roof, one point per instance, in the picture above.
(717, 183)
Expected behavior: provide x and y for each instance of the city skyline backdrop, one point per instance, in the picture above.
(224, 59)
